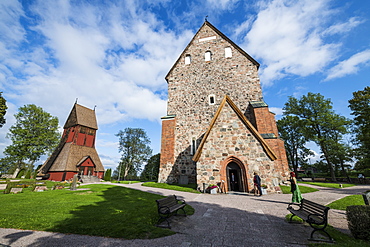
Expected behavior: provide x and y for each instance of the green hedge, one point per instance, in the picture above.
(358, 217)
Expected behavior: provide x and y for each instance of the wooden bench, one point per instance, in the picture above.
(169, 206)
(319, 179)
(314, 214)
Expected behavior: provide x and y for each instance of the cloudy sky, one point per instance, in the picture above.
(115, 55)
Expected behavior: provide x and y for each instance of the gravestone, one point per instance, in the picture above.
(366, 198)
(184, 179)
(3, 186)
(74, 183)
(40, 188)
(16, 190)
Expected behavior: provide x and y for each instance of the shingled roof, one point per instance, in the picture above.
(72, 155)
(81, 115)
(246, 122)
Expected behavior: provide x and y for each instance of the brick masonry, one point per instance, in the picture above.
(195, 92)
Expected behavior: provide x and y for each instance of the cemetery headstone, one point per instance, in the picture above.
(74, 183)
(16, 190)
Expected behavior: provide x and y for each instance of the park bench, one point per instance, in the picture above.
(314, 214)
(366, 197)
(169, 206)
(319, 179)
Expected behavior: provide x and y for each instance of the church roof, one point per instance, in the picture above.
(206, 23)
(81, 115)
(246, 122)
(72, 155)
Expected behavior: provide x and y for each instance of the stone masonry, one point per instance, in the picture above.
(211, 67)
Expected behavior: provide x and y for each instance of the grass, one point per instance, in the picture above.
(303, 189)
(179, 187)
(342, 204)
(101, 210)
(340, 238)
(328, 185)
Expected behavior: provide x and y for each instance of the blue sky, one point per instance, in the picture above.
(115, 55)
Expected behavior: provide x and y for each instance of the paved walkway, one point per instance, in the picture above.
(219, 220)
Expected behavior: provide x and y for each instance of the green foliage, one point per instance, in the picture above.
(319, 123)
(178, 187)
(3, 109)
(360, 106)
(20, 174)
(28, 174)
(151, 169)
(358, 217)
(342, 204)
(328, 185)
(135, 150)
(34, 133)
(303, 189)
(290, 130)
(108, 175)
(295, 218)
(102, 210)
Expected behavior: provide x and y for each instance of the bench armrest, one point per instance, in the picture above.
(166, 210)
(290, 205)
(182, 201)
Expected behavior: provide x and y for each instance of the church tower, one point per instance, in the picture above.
(76, 153)
(217, 123)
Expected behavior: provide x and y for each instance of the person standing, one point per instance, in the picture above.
(257, 184)
(297, 196)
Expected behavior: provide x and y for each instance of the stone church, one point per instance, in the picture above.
(218, 129)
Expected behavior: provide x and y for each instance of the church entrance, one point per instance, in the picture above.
(234, 177)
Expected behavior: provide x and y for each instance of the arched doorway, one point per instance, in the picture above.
(234, 177)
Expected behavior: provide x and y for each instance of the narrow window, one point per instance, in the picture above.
(211, 99)
(187, 59)
(208, 56)
(228, 52)
(193, 145)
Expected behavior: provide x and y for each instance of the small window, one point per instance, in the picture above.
(211, 99)
(187, 59)
(193, 145)
(228, 52)
(208, 56)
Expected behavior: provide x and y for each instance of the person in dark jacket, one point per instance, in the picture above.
(257, 184)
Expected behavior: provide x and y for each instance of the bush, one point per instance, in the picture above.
(358, 217)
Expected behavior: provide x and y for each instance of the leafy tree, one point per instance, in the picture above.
(134, 146)
(108, 175)
(360, 106)
(3, 109)
(151, 169)
(320, 123)
(34, 134)
(290, 130)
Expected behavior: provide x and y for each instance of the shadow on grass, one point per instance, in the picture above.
(120, 213)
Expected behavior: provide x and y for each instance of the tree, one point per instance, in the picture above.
(3, 109)
(360, 106)
(151, 169)
(320, 123)
(34, 134)
(108, 175)
(290, 130)
(134, 146)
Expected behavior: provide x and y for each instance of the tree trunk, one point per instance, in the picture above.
(344, 172)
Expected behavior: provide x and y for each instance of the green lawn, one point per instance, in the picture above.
(328, 185)
(342, 204)
(303, 189)
(179, 187)
(102, 210)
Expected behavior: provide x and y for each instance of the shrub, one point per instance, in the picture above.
(358, 217)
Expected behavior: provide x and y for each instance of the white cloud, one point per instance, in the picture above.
(344, 27)
(277, 110)
(349, 66)
(222, 4)
(288, 37)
